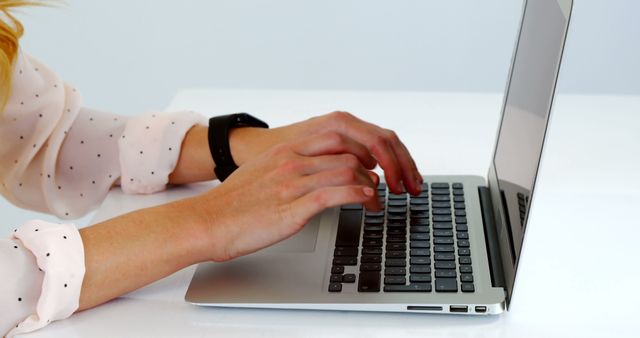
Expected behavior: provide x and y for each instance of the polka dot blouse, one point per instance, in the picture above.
(61, 158)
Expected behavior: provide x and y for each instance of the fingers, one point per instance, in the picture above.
(386, 147)
(318, 200)
(335, 143)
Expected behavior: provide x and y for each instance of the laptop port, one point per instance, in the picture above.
(481, 309)
(458, 308)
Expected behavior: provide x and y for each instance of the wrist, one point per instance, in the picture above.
(248, 142)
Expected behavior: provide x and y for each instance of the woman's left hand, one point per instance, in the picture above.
(384, 145)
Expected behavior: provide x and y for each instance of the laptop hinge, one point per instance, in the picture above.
(491, 238)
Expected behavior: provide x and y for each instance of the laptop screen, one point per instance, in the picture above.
(526, 110)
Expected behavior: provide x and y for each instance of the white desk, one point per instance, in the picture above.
(579, 272)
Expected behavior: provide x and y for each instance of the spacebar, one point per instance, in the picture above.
(349, 228)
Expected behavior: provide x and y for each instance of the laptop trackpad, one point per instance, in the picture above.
(303, 241)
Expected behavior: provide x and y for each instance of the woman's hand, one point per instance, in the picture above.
(271, 197)
(384, 145)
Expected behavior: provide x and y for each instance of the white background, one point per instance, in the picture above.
(129, 56)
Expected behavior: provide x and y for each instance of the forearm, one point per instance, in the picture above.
(133, 250)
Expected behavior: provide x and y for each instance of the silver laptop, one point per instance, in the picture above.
(452, 249)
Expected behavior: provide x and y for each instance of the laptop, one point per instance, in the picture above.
(452, 249)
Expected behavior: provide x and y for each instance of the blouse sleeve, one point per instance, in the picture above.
(61, 158)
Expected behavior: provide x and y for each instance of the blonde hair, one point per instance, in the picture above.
(10, 32)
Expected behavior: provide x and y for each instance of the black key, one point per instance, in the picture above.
(441, 211)
(435, 192)
(464, 260)
(466, 269)
(370, 267)
(464, 252)
(336, 279)
(374, 220)
(349, 228)
(395, 271)
(419, 229)
(420, 221)
(445, 265)
(458, 198)
(419, 237)
(443, 248)
(417, 287)
(419, 244)
(382, 186)
(446, 285)
(462, 228)
(373, 228)
(397, 210)
(371, 259)
(402, 218)
(463, 243)
(440, 185)
(458, 192)
(420, 278)
(467, 277)
(418, 208)
(441, 218)
(397, 231)
(420, 261)
(419, 201)
(372, 235)
(461, 220)
(398, 262)
(468, 287)
(443, 256)
(396, 246)
(396, 239)
(402, 196)
(419, 252)
(396, 254)
(445, 273)
(369, 281)
(420, 269)
(395, 280)
(372, 242)
(397, 225)
(345, 261)
(372, 251)
(457, 185)
(397, 203)
(335, 287)
(462, 235)
(441, 198)
(442, 240)
(461, 213)
(337, 269)
(442, 233)
(442, 225)
(352, 207)
(345, 251)
(423, 194)
(424, 187)
(349, 278)
(374, 213)
(459, 206)
(419, 214)
(441, 205)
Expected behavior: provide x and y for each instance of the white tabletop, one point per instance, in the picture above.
(579, 270)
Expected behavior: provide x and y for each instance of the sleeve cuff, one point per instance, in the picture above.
(59, 253)
(150, 148)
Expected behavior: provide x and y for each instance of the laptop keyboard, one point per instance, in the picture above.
(416, 244)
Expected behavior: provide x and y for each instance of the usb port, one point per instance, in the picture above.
(481, 309)
(458, 308)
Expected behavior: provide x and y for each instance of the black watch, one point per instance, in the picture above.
(219, 128)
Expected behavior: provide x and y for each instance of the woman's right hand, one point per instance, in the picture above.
(273, 196)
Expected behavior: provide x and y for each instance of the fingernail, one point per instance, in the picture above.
(368, 191)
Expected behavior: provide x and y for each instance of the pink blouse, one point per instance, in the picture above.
(61, 158)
